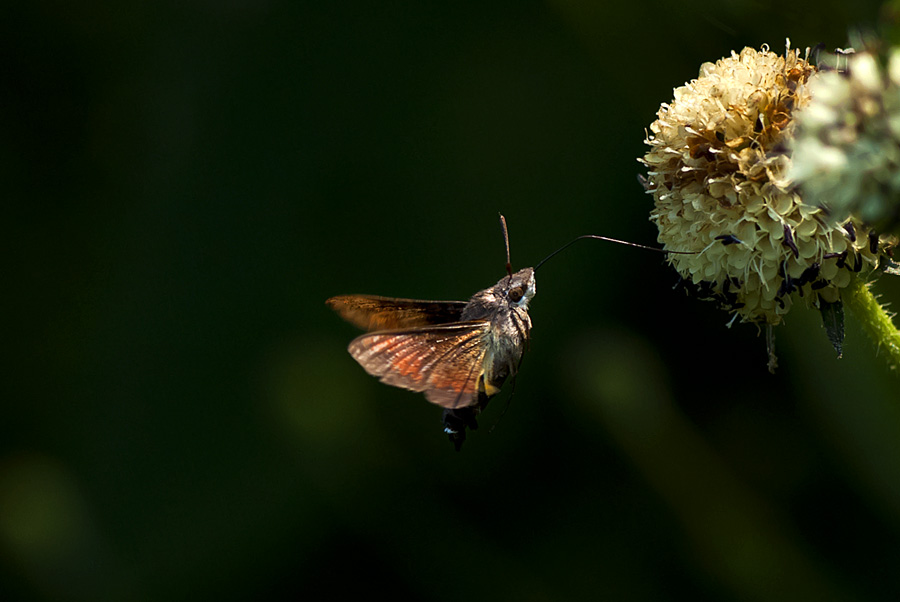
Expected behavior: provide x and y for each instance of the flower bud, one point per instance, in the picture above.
(846, 149)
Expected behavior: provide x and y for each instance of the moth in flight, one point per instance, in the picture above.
(458, 353)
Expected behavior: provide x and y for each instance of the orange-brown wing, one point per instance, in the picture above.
(371, 312)
(445, 362)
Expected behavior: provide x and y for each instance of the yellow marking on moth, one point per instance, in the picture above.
(490, 390)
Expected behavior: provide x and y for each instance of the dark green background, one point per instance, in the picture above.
(185, 183)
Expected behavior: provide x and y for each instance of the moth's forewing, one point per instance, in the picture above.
(445, 362)
(371, 312)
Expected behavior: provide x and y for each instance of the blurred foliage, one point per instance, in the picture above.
(185, 183)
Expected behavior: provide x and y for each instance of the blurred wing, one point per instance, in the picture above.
(371, 312)
(445, 362)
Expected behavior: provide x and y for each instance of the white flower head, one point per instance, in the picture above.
(719, 177)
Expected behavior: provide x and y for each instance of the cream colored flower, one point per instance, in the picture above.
(718, 173)
(846, 152)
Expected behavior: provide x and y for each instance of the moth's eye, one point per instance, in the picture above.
(515, 294)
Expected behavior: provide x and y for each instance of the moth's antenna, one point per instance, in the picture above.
(621, 242)
(506, 241)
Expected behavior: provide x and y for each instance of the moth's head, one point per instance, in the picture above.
(517, 289)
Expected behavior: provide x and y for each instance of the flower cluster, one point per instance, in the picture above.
(718, 170)
(846, 151)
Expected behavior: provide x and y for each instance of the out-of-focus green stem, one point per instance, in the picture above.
(875, 320)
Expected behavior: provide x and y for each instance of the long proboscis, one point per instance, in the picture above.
(607, 239)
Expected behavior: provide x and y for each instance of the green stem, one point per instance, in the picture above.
(875, 320)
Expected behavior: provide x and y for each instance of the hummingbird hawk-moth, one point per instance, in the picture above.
(458, 353)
